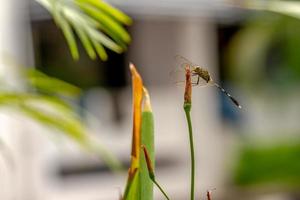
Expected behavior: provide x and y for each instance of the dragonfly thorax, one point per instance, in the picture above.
(203, 73)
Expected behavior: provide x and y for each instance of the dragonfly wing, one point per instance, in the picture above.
(182, 61)
(181, 64)
(178, 78)
(177, 75)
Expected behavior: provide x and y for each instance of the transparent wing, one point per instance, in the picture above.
(183, 62)
(178, 78)
(177, 74)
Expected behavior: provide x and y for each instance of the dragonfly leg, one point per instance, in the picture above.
(194, 82)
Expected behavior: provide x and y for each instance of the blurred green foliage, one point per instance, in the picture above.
(50, 85)
(47, 100)
(96, 23)
(265, 54)
(269, 164)
(265, 50)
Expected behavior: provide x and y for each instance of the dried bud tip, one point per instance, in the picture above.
(188, 86)
(148, 161)
(209, 194)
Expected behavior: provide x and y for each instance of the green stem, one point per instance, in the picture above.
(187, 109)
(160, 188)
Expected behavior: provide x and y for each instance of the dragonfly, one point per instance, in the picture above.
(200, 76)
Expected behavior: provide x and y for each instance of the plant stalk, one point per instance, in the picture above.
(187, 108)
(151, 172)
(160, 188)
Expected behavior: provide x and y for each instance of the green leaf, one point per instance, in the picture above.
(103, 39)
(115, 36)
(132, 188)
(105, 20)
(100, 50)
(53, 112)
(49, 84)
(88, 18)
(146, 185)
(68, 33)
(56, 114)
(68, 125)
(56, 9)
(78, 22)
(85, 41)
(109, 10)
(140, 187)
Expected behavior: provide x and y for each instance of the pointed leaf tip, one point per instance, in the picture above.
(131, 66)
(137, 86)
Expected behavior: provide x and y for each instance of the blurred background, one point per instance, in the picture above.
(249, 153)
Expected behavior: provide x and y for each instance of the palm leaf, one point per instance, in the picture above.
(109, 10)
(105, 20)
(51, 85)
(88, 18)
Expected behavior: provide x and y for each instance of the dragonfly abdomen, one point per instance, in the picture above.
(229, 96)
